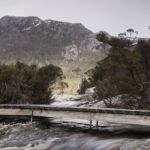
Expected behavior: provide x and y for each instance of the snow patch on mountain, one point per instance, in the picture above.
(27, 29)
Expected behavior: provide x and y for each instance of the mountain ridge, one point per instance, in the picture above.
(35, 41)
(34, 34)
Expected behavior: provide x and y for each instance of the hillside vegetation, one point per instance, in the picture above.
(125, 72)
(32, 40)
(23, 84)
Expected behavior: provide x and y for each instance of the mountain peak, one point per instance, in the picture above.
(18, 18)
(26, 23)
(26, 38)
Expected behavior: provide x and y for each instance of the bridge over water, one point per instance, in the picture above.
(121, 116)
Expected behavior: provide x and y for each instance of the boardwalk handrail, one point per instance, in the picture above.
(76, 109)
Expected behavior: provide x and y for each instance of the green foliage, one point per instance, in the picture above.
(119, 43)
(84, 85)
(130, 31)
(21, 83)
(102, 36)
(124, 72)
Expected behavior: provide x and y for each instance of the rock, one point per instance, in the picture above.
(32, 39)
(90, 91)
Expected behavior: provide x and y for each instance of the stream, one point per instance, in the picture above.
(57, 134)
(37, 136)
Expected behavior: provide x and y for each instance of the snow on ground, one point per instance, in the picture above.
(67, 100)
(87, 100)
(28, 28)
(84, 100)
(37, 24)
(48, 21)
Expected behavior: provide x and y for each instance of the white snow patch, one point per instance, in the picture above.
(66, 100)
(36, 20)
(27, 29)
(48, 21)
(37, 24)
(90, 90)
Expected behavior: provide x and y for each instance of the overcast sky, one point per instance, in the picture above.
(113, 16)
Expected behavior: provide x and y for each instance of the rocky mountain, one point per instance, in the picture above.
(33, 40)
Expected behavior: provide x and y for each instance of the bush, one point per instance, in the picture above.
(84, 85)
(124, 72)
(21, 83)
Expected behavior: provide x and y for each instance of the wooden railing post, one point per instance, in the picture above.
(90, 124)
(96, 123)
(31, 117)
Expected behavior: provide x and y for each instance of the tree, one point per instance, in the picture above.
(84, 85)
(21, 83)
(45, 77)
(122, 35)
(124, 72)
(136, 33)
(130, 31)
(102, 36)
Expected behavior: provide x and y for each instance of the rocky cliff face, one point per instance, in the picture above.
(34, 40)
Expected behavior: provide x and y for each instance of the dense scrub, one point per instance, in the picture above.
(21, 83)
(125, 71)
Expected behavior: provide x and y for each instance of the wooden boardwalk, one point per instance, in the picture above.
(121, 116)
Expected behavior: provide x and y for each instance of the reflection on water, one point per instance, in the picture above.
(27, 136)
